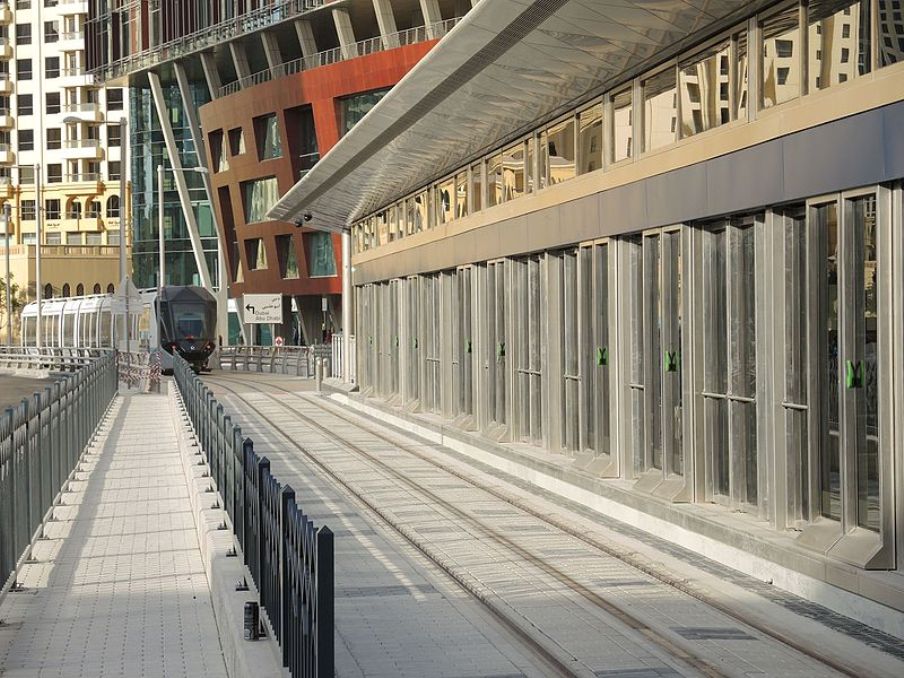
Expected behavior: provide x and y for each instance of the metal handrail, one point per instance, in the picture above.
(288, 559)
(41, 442)
(373, 45)
(292, 360)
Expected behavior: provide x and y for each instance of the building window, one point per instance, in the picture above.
(23, 34)
(236, 141)
(260, 195)
(53, 102)
(704, 100)
(51, 34)
(54, 238)
(110, 288)
(79, 289)
(288, 261)
(26, 140)
(75, 238)
(25, 104)
(114, 138)
(220, 161)
(321, 258)
(54, 138)
(266, 132)
(114, 99)
(113, 207)
(67, 290)
(356, 107)
(256, 254)
(52, 208)
(113, 169)
(28, 210)
(557, 153)
(54, 173)
(92, 209)
(48, 291)
(74, 210)
(52, 67)
(23, 69)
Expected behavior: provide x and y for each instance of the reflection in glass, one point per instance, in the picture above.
(513, 172)
(671, 351)
(420, 212)
(653, 297)
(636, 348)
(461, 195)
(741, 76)
(622, 126)
(476, 187)
(558, 153)
(601, 389)
(660, 110)
(321, 256)
(826, 226)
(891, 32)
(839, 44)
(494, 180)
(781, 57)
(716, 361)
(445, 201)
(355, 107)
(590, 139)
(863, 212)
(704, 87)
(744, 360)
(260, 195)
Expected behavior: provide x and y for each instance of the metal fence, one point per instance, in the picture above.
(338, 359)
(47, 359)
(290, 560)
(41, 442)
(294, 360)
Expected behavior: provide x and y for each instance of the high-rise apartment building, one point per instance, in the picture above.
(60, 135)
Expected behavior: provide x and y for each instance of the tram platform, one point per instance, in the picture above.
(117, 585)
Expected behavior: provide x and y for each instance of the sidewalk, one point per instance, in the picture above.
(118, 587)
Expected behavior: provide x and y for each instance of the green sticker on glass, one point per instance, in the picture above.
(853, 374)
(602, 356)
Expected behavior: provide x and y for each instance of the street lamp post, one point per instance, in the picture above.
(123, 231)
(39, 290)
(7, 217)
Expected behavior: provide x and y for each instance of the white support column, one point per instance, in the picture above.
(271, 51)
(386, 22)
(211, 74)
(346, 33)
(432, 15)
(172, 151)
(305, 37)
(240, 60)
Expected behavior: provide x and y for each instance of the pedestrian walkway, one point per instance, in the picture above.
(117, 587)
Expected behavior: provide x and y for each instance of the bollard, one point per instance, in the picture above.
(318, 373)
(326, 368)
(252, 620)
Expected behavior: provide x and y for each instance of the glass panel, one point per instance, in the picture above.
(476, 187)
(321, 257)
(653, 313)
(420, 215)
(781, 57)
(602, 345)
(494, 180)
(622, 126)
(260, 195)
(461, 195)
(744, 365)
(826, 225)
(704, 87)
(741, 76)
(590, 139)
(529, 168)
(716, 361)
(839, 41)
(445, 195)
(559, 152)
(513, 173)
(354, 108)
(891, 32)
(864, 227)
(660, 110)
(267, 130)
(671, 350)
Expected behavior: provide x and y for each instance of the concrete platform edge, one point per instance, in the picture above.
(244, 659)
(860, 608)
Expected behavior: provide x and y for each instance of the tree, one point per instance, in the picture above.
(17, 301)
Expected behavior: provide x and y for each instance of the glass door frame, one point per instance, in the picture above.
(493, 382)
(844, 538)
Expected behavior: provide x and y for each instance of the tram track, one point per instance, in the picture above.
(681, 653)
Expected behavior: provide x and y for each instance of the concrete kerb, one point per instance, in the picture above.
(244, 659)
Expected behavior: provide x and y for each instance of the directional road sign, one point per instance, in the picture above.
(261, 309)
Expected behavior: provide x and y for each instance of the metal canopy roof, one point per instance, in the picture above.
(508, 64)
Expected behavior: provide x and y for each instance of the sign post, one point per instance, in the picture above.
(263, 309)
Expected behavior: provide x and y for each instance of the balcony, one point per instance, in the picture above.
(75, 77)
(71, 40)
(6, 120)
(6, 49)
(6, 85)
(84, 112)
(7, 156)
(82, 149)
(89, 183)
(70, 7)
(6, 14)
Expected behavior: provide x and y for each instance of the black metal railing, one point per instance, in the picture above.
(41, 442)
(290, 560)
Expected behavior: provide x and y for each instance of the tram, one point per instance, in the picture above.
(173, 319)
